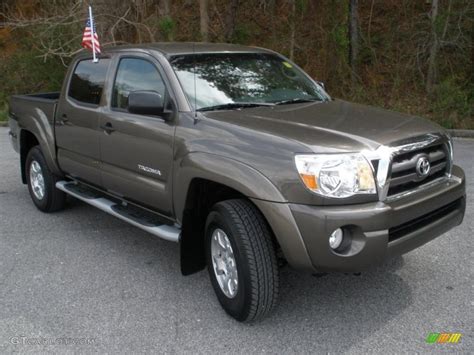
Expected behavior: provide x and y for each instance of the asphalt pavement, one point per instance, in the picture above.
(82, 281)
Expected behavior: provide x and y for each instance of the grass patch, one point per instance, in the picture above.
(3, 115)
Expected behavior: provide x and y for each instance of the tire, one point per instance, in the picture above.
(252, 250)
(51, 199)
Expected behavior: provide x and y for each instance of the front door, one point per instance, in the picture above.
(137, 150)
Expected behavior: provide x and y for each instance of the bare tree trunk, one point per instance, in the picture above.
(272, 7)
(293, 29)
(165, 6)
(432, 72)
(230, 19)
(203, 9)
(353, 37)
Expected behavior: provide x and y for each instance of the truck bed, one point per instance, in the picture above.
(48, 96)
(35, 113)
(42, 106)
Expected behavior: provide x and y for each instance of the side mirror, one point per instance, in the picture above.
(146, 103)
(322, 84)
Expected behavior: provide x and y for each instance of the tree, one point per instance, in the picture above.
(432, 70)
(292, 28)
(230, 19)
(165, 6)
(353, 37)
(204, 15)
(166, 23)
(395, 48)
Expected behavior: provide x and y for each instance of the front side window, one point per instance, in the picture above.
(87, 81)
(212, 80)
(135, 74)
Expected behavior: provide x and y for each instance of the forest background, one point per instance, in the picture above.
(413, 56)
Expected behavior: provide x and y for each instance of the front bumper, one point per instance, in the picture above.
(379, 229)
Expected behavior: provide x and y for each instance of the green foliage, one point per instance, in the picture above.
(25, 72)
(339, 35)
(3, 114)
(243, 33)
(167, 27)
(452, 104)
(338, 32)
(301, 6)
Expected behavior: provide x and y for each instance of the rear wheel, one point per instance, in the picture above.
(241, 260)
(42, 183)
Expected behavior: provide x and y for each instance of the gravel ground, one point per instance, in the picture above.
(83, 276)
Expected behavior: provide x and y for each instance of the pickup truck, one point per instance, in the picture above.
(243, 159)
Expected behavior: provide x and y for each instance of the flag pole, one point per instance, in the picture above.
(91, 20)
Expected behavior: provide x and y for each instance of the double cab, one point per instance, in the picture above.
(243, 159)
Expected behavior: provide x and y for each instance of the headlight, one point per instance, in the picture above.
(336, 175)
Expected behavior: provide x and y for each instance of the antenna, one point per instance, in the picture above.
(194, 75)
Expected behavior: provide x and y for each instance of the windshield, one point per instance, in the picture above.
(229, 80)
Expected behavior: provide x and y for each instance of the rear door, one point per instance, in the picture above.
(77, 121)
(137, 154)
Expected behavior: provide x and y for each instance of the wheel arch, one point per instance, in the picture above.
(221, 170)
(203, 180)
(27, 140)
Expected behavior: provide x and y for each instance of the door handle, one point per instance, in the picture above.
(107, 128)
(63, 119)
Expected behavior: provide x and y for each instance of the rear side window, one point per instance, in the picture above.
(134, 74)
(87, 81)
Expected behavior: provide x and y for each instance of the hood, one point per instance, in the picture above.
(334, 125)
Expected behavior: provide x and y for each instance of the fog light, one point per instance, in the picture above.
(335, 240)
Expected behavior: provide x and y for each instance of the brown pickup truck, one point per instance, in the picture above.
(242, 158)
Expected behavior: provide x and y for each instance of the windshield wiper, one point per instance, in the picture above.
(295, 101)
(232, 105)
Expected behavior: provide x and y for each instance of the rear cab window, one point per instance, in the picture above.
(87, 81)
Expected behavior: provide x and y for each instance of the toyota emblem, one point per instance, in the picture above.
(423, 167)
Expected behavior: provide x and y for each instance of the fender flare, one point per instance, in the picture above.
(40, 127)
(226, 171)
(252, 184)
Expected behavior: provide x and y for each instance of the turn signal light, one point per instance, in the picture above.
(309, 181)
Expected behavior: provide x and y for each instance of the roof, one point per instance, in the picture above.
(176, 48)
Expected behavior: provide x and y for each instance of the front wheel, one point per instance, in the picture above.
(42, 183)
(241, 260)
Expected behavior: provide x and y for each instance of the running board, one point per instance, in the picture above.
(133, 215)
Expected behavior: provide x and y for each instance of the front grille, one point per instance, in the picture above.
(404, 176)
(425, 220)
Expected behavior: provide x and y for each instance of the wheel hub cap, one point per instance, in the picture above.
(223, 262)
(37, 180)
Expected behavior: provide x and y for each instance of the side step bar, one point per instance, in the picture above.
(144, 220)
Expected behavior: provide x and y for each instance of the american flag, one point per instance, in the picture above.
(87, 38)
